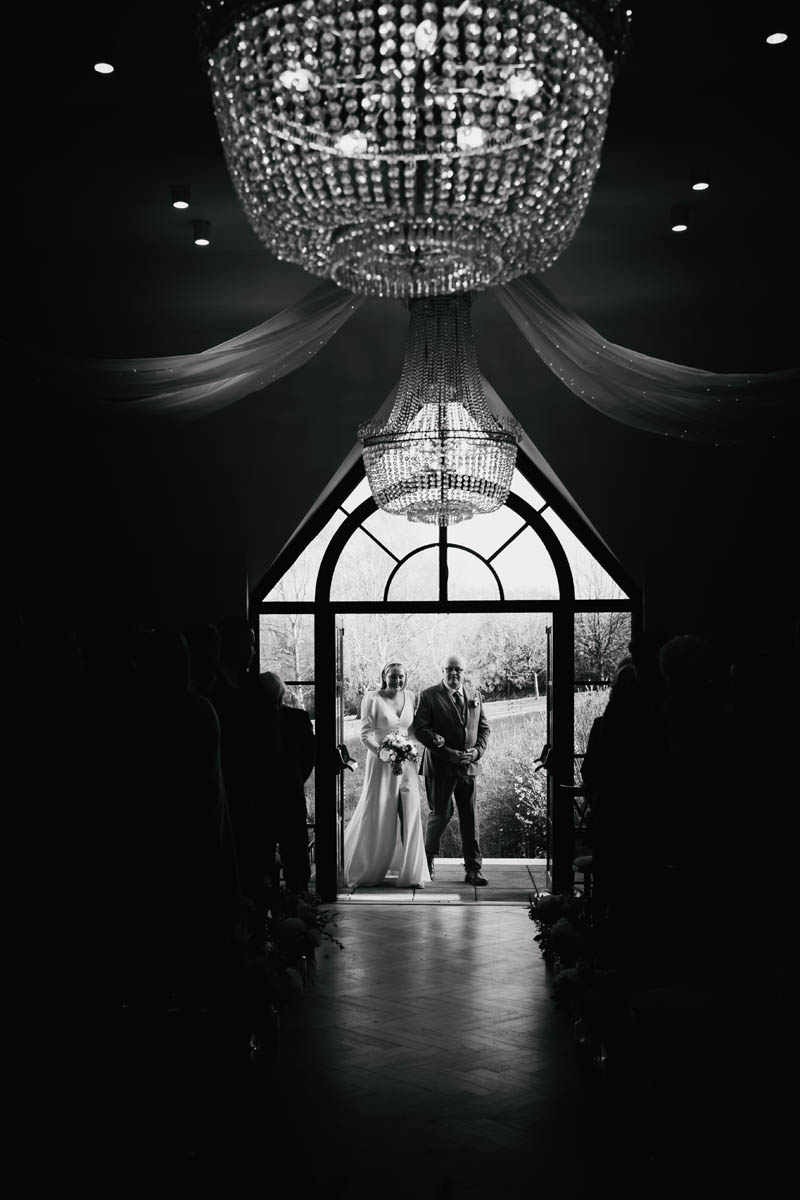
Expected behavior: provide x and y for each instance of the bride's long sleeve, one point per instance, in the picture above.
(368, 736)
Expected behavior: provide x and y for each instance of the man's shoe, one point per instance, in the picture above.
(431, 868)
(476, 879)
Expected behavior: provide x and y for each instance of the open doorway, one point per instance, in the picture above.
(506, 655)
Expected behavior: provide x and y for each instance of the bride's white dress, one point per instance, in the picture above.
(385, 831)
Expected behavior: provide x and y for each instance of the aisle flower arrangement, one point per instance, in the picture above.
(295, 931)
(563, 936)
(278, 974)
(590, 994)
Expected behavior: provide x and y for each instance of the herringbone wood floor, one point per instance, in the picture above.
(428, 1061)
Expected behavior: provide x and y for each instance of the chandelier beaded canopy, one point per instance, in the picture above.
(413, 149)
(441, 456)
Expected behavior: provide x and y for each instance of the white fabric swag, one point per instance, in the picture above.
(649, 393)
(193, 385)
(634, 389)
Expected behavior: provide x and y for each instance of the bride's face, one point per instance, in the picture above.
(395, 678)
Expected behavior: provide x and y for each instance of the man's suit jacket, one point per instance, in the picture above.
(437, 713)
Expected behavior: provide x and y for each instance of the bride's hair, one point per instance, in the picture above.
(385, 671)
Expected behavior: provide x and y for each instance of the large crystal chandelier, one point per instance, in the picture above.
(413, 149)
(441, 456)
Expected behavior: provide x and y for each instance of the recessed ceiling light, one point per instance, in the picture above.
(201, 232)
(679, 218)
(103, 68)
(699, 179)
(775, 39)
(180, 195)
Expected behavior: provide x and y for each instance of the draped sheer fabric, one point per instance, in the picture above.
(649, 393)
(192, 385)
(634, 389)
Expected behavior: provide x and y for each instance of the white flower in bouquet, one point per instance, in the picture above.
(397, 748)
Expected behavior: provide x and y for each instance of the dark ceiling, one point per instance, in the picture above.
(102, 265)
(99, 264)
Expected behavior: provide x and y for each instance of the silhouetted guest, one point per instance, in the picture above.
(177, 890)
(627, 793)
(48, 823)
(249, 743)
(288, 799)
(701, 758)
(702, 775)
(765, 710)
(597, 763)
(204, 646)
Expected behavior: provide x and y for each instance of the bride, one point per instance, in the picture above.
(385, 831)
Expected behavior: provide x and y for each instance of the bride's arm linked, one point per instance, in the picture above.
(368, 736)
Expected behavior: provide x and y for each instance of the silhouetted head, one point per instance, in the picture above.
(238, 643)
(690, 666)
(273, 687)
(204, 647)
(624, 677)
(644, 648)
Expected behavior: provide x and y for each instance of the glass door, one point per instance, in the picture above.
(342, 752)
(545, 755)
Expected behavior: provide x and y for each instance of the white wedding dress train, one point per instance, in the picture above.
(385, 831)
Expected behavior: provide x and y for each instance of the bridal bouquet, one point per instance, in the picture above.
(397, 748)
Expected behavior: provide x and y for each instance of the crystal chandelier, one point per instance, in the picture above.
(413, 149)
(441, 456)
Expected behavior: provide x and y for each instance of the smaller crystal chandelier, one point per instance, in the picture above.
(441, 456)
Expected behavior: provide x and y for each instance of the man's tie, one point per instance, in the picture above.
(458, 698)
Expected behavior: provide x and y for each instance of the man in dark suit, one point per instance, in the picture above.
(451, 725)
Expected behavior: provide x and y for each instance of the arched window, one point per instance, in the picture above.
(357, 583)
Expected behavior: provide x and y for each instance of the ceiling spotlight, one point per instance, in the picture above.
(775, 39)
(700, 181)
(103, 68)
(202, 230)
(180, 195)
(679, 218)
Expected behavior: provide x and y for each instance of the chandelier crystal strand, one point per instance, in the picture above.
(441, 456)
(413, 149)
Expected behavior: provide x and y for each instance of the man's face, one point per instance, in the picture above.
(454, 671)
